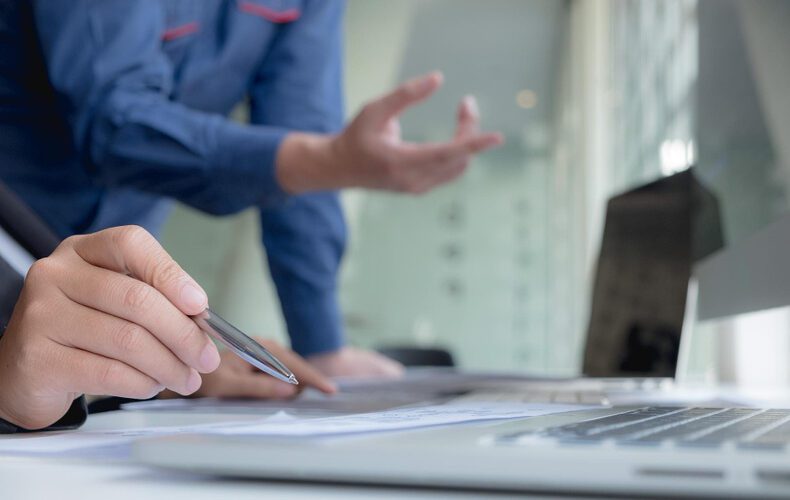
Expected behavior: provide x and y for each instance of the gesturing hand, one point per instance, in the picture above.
(107, 313)
(370, 153)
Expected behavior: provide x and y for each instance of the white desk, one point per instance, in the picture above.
(46, 479)
(33, 478)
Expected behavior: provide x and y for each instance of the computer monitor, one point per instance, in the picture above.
(726, 221)
(743, 125)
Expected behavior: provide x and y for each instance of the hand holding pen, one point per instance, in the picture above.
(110, 313)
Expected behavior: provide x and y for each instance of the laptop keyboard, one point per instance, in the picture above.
(693, 427)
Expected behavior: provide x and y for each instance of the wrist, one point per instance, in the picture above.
(309, 162)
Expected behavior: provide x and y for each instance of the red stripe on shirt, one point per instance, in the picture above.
(274, 16)
(179, 31)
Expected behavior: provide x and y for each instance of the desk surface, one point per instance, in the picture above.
(23, 478)
(40, 478)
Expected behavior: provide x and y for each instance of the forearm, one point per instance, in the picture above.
(116, 85)
(309, 162)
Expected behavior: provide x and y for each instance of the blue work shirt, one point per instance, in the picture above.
(111, 109)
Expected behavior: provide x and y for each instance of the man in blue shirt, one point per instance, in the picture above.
(111, 109)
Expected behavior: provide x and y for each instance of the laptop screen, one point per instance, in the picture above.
(652, 236)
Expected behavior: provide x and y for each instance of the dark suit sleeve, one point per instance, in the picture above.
(32, 234)
(74, 418)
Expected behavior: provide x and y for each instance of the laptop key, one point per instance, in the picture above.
(695, 427)
(646, 428)
(777, 438)
(599, 425)
(691, 428)
(737, 431)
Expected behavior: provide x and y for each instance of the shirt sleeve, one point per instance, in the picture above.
(114, 85)
(299, 86)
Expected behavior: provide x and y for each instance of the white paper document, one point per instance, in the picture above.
(115, 444)
(393, 420)
(72, 442)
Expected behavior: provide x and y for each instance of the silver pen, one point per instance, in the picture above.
(243, 346)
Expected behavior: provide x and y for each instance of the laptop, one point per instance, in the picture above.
(659, 451)
(645, 449)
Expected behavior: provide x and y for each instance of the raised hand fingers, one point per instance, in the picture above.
(468, 125)
(468, 122)
(419, 167)
(370, 153)
(427, 155)
(407, 94)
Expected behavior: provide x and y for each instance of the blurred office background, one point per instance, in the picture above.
(594, 97)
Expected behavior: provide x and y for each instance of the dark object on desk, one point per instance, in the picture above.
(27, 229)
(415, 356)
(111, 403)
(652, 236)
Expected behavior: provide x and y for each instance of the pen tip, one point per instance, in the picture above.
(292, 380)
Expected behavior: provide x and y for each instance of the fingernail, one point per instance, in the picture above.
(193, 298)
(193, 382)
(491, 140)
(209, 358)
(156, 391)
(471, 105)
(429, 81)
